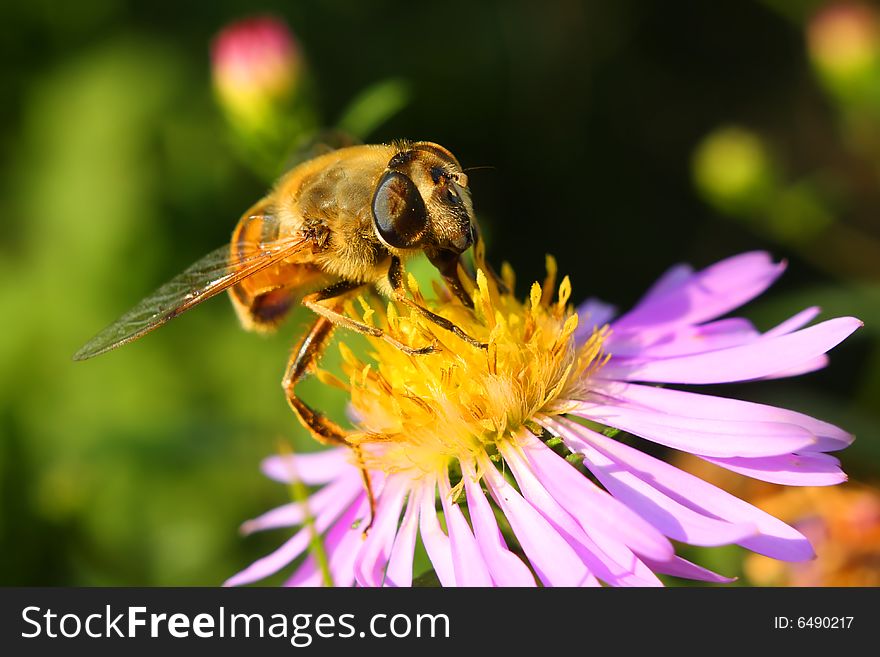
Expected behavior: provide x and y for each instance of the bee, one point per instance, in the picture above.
(336, 224)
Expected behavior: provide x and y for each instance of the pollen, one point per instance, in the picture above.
(462, 401)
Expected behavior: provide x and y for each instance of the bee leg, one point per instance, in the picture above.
(322, 429)
(395, 278)
(313, 302)
(304, 357)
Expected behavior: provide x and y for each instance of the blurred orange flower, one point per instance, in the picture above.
(842, 522)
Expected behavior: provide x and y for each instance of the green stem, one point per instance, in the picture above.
(316, 545)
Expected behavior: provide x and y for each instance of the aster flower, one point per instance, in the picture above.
(515, 446)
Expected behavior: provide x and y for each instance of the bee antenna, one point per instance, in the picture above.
(482, 166)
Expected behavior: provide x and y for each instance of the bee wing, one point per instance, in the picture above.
(319, 143)
(202, 280)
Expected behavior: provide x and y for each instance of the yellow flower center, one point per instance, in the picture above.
(461, 400)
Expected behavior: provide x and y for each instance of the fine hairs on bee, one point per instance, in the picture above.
(333, 226)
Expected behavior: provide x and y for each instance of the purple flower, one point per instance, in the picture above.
(517, 442)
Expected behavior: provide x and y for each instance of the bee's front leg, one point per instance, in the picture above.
(314, 302)
(395, 279)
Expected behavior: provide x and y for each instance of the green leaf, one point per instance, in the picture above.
(373, 106)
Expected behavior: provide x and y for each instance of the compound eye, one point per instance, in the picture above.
(399, 211)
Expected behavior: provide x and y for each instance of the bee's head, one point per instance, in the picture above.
(422, 202)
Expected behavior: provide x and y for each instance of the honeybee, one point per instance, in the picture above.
(337, 223)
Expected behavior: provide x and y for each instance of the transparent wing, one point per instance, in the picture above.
(204, 279)
(317, 144)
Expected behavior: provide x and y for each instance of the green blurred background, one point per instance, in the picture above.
(622, 137)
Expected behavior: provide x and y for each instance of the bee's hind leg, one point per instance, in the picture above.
(306, 355)
(303, 358)
(323, 429)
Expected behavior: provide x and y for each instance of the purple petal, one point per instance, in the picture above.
(435, 541)
(812, 365)
(604, 557)
(286, 515)
(400, 564)
(676, 402)
(292, 548)
(470, 568)
(307, 575)
(706, 437)
(684, 340)
(633, 572)
(695, 339)
(292, 514)
(670, 280)
(311, 468)
(705, 295)
(506, 568)
(776, 540)
(679, 567)
(554, 560)
(340, 540)
(592, 507)
(343, 556)
(792, 324)
(808, 469)
(673, 519)
(369, 567)
(764, 357)
(592, 314)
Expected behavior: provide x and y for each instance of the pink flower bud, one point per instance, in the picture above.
(844, 40)
(256, 66)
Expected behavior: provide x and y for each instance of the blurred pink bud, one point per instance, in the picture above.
(256, 66)
(844, 39)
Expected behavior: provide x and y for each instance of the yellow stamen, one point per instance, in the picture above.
(462, 403)
(367, 309)
(508, 275)
(550, 281)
